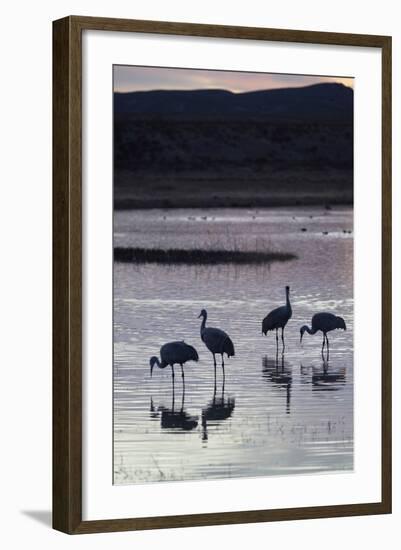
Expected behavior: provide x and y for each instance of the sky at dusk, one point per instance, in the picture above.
(130, 78)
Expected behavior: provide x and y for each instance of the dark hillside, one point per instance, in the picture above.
(184, 140)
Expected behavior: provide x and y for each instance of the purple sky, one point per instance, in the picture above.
(127, 78)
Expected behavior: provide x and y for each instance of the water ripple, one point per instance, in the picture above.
(273, 415)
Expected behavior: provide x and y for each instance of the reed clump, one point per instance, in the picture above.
(199, 256)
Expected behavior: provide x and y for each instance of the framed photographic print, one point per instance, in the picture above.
(222, 274)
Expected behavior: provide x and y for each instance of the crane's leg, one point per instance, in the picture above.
(324, 341)
(282, 362)
(182, 375)
(214, 361)
(328, 348)
(277, 339)
(172, 375)
(288, 402)
(183, 393)
(282, 338)
(222, 364)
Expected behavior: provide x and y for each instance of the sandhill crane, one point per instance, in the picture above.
(216, 341)
(174, 353)
(325, 322)
(278, 318)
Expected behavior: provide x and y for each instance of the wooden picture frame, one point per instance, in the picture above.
(67, 274)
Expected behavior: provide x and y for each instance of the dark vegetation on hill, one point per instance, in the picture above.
(177, 144)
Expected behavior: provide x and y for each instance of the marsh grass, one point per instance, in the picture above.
(199, 256)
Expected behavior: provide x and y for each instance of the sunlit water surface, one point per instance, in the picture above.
(275, 415)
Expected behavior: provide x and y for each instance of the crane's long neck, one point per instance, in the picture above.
(305, 328)
(203, 324)
(287, 300)
(155, 361)
(161, 364)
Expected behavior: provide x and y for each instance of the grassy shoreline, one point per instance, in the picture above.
(231, 202)
(198, 256)
(279, 189)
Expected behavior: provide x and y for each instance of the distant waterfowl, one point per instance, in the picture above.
(216, 341)
(278, 318)
(174, 353)
(325, 322)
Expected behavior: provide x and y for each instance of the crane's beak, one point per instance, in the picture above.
(151, 370)
(300, 340)
(200, 315)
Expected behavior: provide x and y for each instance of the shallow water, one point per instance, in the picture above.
(274, 415)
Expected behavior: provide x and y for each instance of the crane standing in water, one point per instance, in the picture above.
(278, 318)
(325, 322)
(174, 353)
(216, 341)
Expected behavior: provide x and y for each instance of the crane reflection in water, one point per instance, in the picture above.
(172, 418)
(279, 373)
(218, 409)
(324, 377)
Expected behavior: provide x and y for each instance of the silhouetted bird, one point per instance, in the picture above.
(278, 318)
(174, 353)
(216, 340)
(325, 322)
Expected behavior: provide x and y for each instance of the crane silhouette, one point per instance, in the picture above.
(325, 322)
(174, 353)
(278, 318)
(216, 341)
